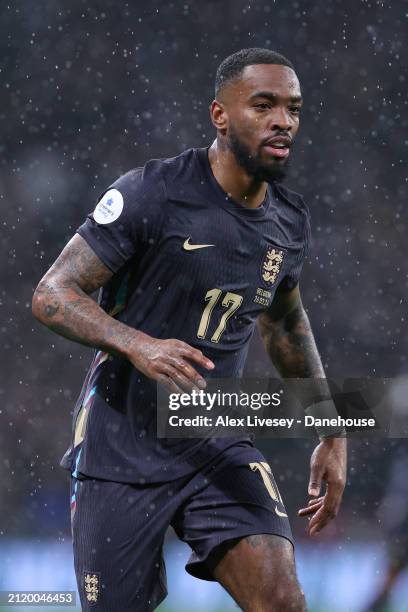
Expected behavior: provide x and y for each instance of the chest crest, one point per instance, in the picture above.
(271, 266)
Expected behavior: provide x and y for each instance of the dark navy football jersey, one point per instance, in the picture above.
(189, 263)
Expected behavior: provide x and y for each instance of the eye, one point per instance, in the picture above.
(294, 109)
(262, 105)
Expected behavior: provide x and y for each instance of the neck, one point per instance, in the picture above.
(233, 178)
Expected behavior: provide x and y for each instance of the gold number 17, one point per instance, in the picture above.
(231, 301)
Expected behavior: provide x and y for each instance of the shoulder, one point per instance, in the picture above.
(297, 211)
(179, 168)
(293, 198)
(154, 175)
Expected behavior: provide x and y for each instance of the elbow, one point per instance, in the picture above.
(44, 305)
(37, 303)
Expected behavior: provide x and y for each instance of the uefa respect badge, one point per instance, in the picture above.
(109, 207)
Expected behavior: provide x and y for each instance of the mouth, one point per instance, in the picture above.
(278, 146)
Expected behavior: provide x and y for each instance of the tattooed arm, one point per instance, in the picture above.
(288, 338)
(62, 302)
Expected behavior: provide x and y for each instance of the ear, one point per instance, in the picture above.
(219, 116)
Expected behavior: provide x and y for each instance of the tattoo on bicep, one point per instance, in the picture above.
(79, 265)
(62, 301)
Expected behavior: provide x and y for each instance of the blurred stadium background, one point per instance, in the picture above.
(91, 89)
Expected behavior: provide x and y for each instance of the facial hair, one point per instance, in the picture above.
(252, 164)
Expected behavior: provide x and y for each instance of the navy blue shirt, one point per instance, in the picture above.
(143, 229)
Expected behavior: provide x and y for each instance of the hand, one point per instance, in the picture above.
(328, 463)
(167, 362)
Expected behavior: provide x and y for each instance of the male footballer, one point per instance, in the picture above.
(189, 253)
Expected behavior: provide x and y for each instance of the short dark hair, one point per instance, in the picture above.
(233, 65)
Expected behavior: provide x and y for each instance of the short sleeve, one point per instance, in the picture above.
(292, 277)
(123, 217)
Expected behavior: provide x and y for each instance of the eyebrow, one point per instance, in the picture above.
(269, 95)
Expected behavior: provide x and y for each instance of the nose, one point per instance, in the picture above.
(281, 119)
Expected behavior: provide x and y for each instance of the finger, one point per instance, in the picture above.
(310, 509)
(311, 506)
(315, 482)
(314, 500)
(182, 381)
(179, 379)
(168, 383)
(328, 511)
(320, 520)
(188, 372)
(332, 499)
(197, 356)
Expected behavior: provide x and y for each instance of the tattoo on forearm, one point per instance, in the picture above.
(71, 313)
(291, 345)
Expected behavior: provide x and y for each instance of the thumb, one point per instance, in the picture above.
(315, 482)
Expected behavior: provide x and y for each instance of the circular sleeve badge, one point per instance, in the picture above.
(109, 207)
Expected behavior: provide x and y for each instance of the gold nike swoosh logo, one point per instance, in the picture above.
(279, 513)
(192, 247)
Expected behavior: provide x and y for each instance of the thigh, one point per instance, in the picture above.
(229, 502)
(259, 573)
(117, 540)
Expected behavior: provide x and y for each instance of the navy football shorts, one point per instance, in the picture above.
(118, 528)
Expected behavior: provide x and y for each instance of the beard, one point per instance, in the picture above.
(275, 171)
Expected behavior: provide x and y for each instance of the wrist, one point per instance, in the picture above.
(326, 420)
(134, 344)
(126, 341)
(334, 440)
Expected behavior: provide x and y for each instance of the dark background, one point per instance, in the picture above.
(90, 90)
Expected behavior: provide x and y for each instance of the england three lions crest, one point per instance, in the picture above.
(271, 266)
(92, 587)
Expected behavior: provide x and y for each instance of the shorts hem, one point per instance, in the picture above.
(160, 599)
(199, 569)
